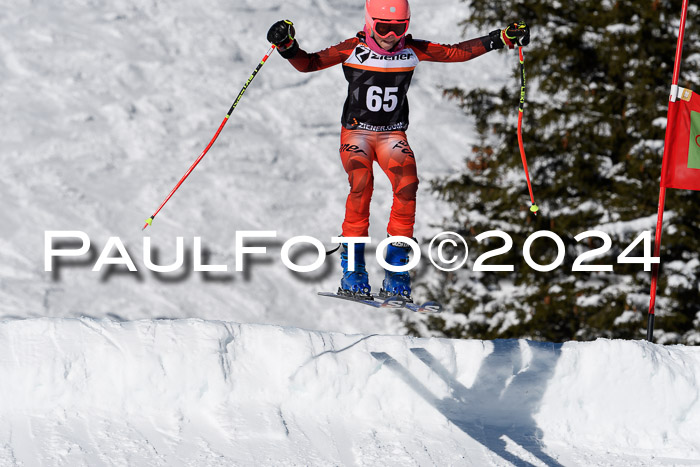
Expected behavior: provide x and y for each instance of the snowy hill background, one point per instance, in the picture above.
(105, 106)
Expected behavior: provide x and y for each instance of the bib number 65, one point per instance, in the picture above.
(382, 99)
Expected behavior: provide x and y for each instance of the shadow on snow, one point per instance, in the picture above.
(503, 400)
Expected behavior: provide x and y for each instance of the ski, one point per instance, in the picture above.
(395, 303)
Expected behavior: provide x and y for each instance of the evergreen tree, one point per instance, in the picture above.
(598, 76)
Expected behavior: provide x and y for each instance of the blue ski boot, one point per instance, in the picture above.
(397, 283)
(354, 283)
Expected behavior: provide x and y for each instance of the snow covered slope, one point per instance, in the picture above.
(188, 392)
(106, 104)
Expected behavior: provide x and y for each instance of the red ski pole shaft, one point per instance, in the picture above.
(149, 221)
(534, 207)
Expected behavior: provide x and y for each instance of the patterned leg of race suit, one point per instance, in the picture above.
(358, 150)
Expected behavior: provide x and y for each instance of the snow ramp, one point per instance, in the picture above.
(81, 392)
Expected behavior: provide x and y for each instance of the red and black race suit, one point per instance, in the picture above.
(378, 84)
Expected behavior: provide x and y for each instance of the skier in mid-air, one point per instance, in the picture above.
(378, 64)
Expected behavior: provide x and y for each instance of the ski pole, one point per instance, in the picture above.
(149, 221)
(534, 207)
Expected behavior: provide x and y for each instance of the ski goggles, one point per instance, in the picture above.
(385, 28)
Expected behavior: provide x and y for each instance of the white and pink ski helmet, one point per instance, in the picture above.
(387, 17)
